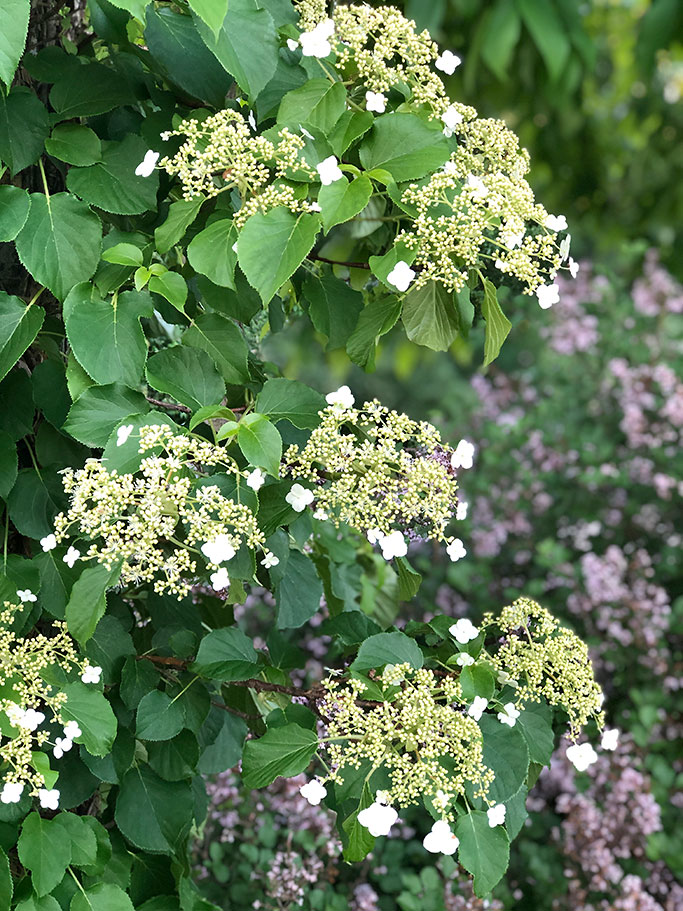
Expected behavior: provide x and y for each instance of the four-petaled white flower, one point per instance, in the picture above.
(122, 434)
(148, 164)
(220, 550)
(464, 660)
(71, 556)
(509, 715)
(463, 631)
(256, 479)
(556, 223)
(72, 730)
(496, 815)
(12, 791)
(512, 239)
(374, 535)
(299, 497)
(313, 791)
(401, 276)
(447, 62)
(456, 550)
(49, 542)
(564, 247)
(91, 674)
(581, 755)
(505, 679)
(49, 799)
(463, 455)
(451, 117)
(25, 594)
(315, 207)
(31, 719)
(15, 714)
(461, 510)
(341, 399)
(378, 818)
(292, 44)
(476, 710)
(610, 739)
(573, 267)
(316, 42)
(479, 189)
(441, 840)
(62, 746)
(393, 545)
(270, 560)
(220, 579)
(329, 170)
(375, 101)
(547, 295)
(320, 515)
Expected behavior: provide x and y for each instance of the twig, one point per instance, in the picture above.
(172, 406)
(337, 262)
(229, 708)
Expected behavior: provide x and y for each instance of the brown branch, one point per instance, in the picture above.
(159, 659)
(337, 262)
(172, 406)
(229, 708)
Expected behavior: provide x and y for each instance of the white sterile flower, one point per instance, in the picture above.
(461, 510)
(496, 815)
(509, 715)
(464, 660)
(49, 800)
(464, 631)
(393, 545)
(315, 207)
(31, 719)
(499, 264)
(450, 167)
(378, 818)
(375, 101)
(479, 189)
(122, 434)
(49, 542)
(374, 535)
(292, 44)
(72, 730)
(342, 398)
(220, 550)
(556, 223)
(320, 515)
(441, 840)
(547, 295)
(512, 239)
(456, 550)
(451, 117)
(251, 120)
(11, 792)
(25, 595)
(62, 746)
(304, 132)
(270, 560)
(564, 247)
(447, 62)
(401, 276)
(463, 456)
(316, 42)
(15, 714)
(91, 674)
(581, 755)
(148, 164)
(299, 497)
(476, 710)
(220, 579)
(505, 679)
(256, 479)
(573, 267)
(313, 791)
(610, 739)
(329, 170)
(71, 556)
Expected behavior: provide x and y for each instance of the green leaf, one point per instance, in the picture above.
(19, 325)
(34, 501)
(187, 374)
(135, 7)
(223, 342)
(319, 103)
(406, 145)
(290, 400)
(535, 724)
(94, 715)
(334, 308)
(359, 841)
(87, 603)
(505, 752)
(388, 648)
(477, 680)
(285, 751)
(298, 593)
(159, 717)
(340, 201)
(260, 442)
(82, 838)
(34, 903)
(42, 851)
(9, 463)
(14, 206)
(84, 91)
(212, 12)
(246, 45)
(429, 316)
(375, 320)
(99, 410)
(24, 126)
(151, 813)
(112, 184)
(497, 324)
(408, 579)
(126, 458)
(382, 265)
(226, 654)
(501, 34)
(60, 242)
(123, 255)
(101, 897)
(75, 144)
(174, 759)
(211, 252)
(172, 286)
(6, 887)
(225, 750)
(14, 15)
(181, 214)
(484, 852)
(348, 128)
(106, 336)
(288, 238)
(549, 34)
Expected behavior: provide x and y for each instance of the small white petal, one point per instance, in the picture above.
(122, 434)
(71, 556)
(26, 595)
(148, 164)
(342, 399)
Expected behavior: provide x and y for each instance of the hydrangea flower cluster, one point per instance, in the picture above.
(156, 522)
(380, 472)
